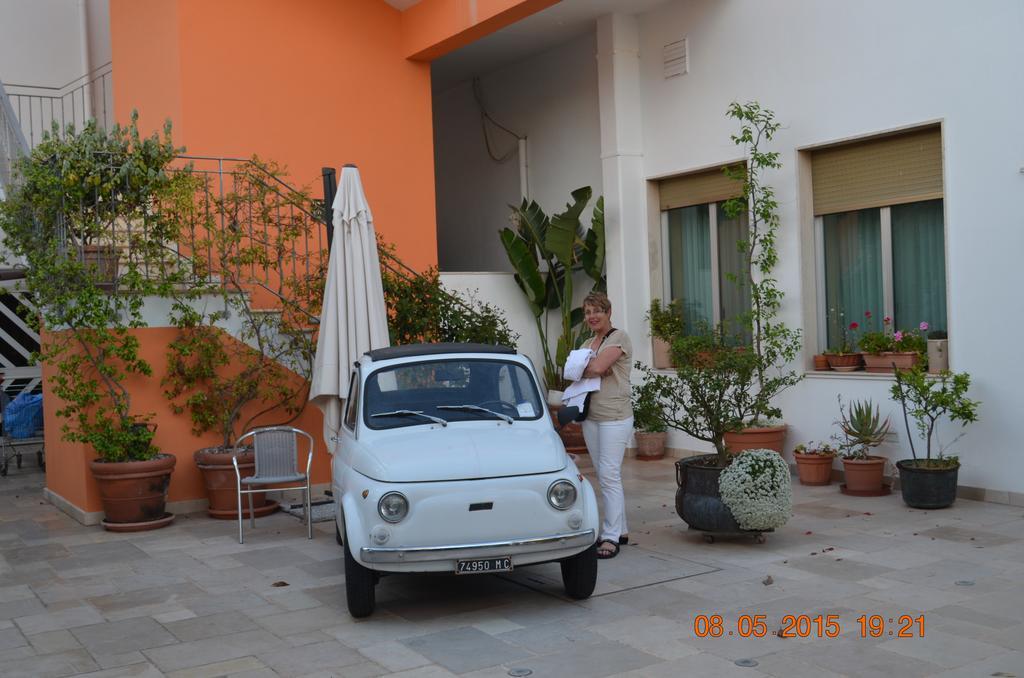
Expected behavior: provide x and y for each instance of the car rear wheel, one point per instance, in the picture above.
(579, 573)
(360, 584)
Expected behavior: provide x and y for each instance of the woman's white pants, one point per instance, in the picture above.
(606, 442)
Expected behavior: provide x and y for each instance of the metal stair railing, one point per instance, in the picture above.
(13, 144)
(85, 98)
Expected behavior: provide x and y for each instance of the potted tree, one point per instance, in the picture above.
(89, 336)
(814, 463)
(648, 420)
(930, 482)
(773, 345)
(706, 399)
(666, 324)
(862, 430)
(229, 380)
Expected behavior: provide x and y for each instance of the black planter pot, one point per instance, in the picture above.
(698, 501)
(927, 488)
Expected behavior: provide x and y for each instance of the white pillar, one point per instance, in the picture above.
(625, 189)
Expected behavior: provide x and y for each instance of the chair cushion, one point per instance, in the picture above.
(264, 480)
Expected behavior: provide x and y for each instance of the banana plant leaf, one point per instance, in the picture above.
(563, 229)
(528, 276)
(592, 256)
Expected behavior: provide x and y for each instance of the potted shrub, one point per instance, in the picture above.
(938, 351)
(649, 421)
(546, 255)
(666, 324)
(888, 350)
(930, 482)
(706, 401)
(227, 382)
(814, 463)
(862, 430)
(89, 339)
(757, 488)
(772, 345)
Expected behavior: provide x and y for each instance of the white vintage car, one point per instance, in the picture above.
(447, 461)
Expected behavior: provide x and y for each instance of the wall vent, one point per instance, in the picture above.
(676, 58)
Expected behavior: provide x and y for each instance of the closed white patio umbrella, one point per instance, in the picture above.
(354, 318)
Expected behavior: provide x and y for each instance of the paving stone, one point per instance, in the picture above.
(54, 641)
(123, 636)
(605, 659)
(222, 624)
(464, 649)
(394, 656)
(298, 661)
(63, 619)
(69, 663)
(946, 650)
(33, 554)
(20, 608)
(10, 638)
(230, 667)
(209, 650)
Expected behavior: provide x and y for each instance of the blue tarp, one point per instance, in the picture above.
(23, 416)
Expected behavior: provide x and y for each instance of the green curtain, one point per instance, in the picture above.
(918, 265)
(689, 236)
(734, 291)
(853, 272)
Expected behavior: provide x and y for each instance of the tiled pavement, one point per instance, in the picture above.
(188, 600)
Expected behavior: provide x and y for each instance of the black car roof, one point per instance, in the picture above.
(411, 350)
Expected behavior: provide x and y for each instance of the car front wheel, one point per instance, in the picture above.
(579, 573)
(360, 584)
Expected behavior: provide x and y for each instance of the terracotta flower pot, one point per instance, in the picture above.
(134, 493)
(571, 434)
(864, 475)
(221, 485)
(813, 469)
(650, 445)
(847, 362)
(884, 363)
(756, 438)
(102, 261)
(821, 362)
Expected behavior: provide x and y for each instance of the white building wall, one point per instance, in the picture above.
(40, 42)
(832, 71)
(535, 98)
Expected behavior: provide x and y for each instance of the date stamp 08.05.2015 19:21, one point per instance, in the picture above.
(808, 626)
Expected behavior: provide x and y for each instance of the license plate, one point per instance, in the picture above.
(484, 565)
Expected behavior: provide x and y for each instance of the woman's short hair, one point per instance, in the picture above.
(599, 300)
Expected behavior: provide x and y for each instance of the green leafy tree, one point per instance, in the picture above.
(546, 253)
(775, 345)
(87, 187)
(928, 400)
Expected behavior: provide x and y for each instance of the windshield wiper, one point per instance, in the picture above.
(411, 413)
(477, 408)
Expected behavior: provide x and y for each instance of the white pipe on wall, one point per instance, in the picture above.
(524, 166)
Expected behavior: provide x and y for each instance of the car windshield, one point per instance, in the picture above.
(450, 390)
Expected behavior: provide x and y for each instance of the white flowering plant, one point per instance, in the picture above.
(756, 488)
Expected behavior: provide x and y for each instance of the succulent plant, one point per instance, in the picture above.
(862, 426)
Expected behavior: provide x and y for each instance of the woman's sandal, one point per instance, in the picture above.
(623, 540)
(605, 553)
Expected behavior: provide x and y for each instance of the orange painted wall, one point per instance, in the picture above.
(432, 28)
(67, 468)
(309, 83)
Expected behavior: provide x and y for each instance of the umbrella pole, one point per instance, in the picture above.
(330, 179)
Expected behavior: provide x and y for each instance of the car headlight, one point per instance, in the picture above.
(562, 494)
(393, 506)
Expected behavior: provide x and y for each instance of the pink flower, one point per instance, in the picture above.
(854, 326)
(897, 336)
(886, 320)
(867, 314)
(923, 327)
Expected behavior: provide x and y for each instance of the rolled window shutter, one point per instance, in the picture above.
(698, 188)
(889, 170)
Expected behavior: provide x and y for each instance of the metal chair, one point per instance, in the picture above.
(276, 449)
